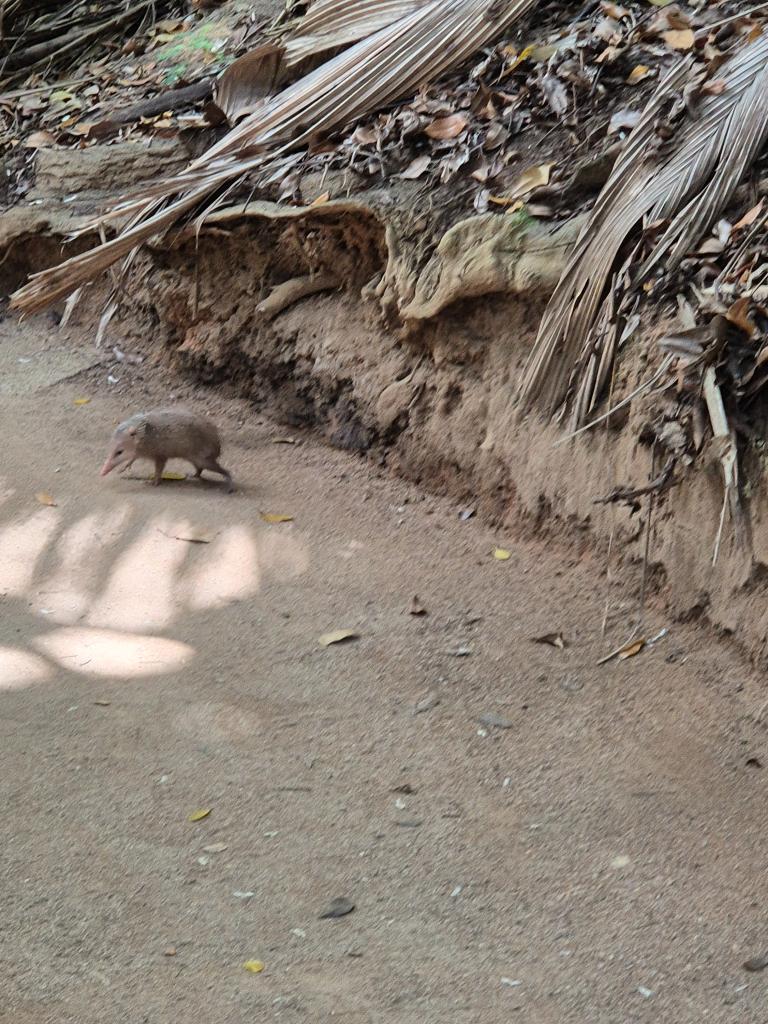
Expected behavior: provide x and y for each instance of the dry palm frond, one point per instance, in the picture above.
(249, 81)
(711, 153)
(329, 24)
(374, 72)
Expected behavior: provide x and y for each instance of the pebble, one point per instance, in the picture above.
(338, 907)
(493, 721)
(756, 963)
(426, 704)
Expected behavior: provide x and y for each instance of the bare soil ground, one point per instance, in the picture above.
(598, 855)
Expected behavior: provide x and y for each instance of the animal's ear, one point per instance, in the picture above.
(132, 431)
(142, 429)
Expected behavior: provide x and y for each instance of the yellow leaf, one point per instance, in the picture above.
(276, 517)
(679, 38)
(81, 401)
(517, 58)
(254, 966)
(46, 499)
(199, 815)
(501, 554)
(541, 53)
(513, 204)
(173, 476)
(638, 73)
(533, 178)
(631, 650)
(337, 636)
(283, 440)
(321, 199)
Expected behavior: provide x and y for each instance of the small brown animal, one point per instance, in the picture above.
(164, 434)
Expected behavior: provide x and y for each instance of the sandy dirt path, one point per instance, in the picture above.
(595, 851)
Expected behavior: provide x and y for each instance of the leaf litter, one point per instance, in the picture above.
(338, 636)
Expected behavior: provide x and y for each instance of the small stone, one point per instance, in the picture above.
(338, 907)
(646, 993)
(493, 721)
(756, 963)
(171, 951)
(511, 982)
(426, 704)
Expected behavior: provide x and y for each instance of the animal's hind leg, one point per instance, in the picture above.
(159, 467)
(216, 467)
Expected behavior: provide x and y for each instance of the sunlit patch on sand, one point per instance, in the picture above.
(19, 668)
(229, 571)
(139, 594)
(20, 547)
(106, 652)
(66, 592)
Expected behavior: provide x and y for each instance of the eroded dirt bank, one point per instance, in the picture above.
(435, 398)
(337, 316)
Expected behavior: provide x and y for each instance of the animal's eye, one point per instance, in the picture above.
(119, 451)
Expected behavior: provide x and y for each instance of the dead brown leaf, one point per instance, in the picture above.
(631, 650)
(416, 167)
(40, 140)
(416, 607)
(638, 73)
(338, 636)
(679, 38)
(749, 217)
(46, 499)
(714, 88)
(449, 127)
(737, 315)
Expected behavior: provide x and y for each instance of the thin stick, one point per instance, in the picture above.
(651, 506)
(608, 576)
(625, 401)
(7, 96)
(719, 536)
(735, 17)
